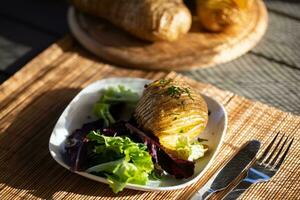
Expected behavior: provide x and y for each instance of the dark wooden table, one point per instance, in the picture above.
(269, 73)
(26, 28)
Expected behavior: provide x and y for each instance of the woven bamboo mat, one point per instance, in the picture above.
(33, 99)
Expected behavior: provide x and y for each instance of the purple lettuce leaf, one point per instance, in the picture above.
(78, 150)
(76, 145)
(79, 154)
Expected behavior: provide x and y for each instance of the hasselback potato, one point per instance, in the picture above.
(170, 109)
(151, 20)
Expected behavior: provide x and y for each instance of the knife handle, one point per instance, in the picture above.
(208, 194)
(237, 191)
(245, 183)
(203, 195)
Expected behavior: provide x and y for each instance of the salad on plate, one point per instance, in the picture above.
(138, 139)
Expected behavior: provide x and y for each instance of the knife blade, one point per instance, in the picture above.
(232, 169)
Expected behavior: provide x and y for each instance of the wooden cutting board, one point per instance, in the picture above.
(197, 49)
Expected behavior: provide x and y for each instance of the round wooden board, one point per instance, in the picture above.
(197, 49)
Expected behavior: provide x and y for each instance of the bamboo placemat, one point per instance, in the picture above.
(33, 99)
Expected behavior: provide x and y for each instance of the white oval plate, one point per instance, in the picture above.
(79, 112)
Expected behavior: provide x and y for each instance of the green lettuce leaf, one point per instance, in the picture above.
(101, 110)
(115, 184)
(106, 167)
(189, 151)
(112, 97)
(124, 161)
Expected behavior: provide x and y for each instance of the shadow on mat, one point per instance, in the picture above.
(25, 161)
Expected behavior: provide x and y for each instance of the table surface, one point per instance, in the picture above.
(33, 99)
(269, 73)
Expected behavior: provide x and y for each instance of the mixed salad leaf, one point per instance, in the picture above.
(174, 166)
(115, 97)
(189, 151)
(113, 146)
(123, 161)
(76, 145)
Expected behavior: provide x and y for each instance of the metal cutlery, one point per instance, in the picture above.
(233, 168)
(264, 167)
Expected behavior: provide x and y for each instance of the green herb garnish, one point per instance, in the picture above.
(176, 92)
(165, 81)
(202, 140)
(187, 91)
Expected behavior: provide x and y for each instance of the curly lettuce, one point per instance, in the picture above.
(124, 161)
(189, 151)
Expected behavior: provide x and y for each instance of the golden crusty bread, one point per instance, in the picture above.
(170, 109)
(218, 15)
(153, 20)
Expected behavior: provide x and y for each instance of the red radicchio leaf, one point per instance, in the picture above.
(77, 154)
(76, 145)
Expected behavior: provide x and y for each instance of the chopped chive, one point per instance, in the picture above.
(202, 140)
(176, 92)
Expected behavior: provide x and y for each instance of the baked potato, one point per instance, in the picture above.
(174, 112)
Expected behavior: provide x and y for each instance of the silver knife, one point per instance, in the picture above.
(230, 171)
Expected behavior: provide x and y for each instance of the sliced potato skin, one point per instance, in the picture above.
(168, 116)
